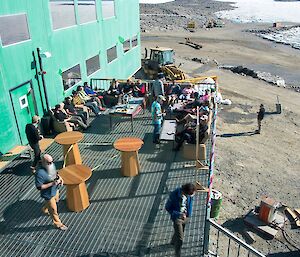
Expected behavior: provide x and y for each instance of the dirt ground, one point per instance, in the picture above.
(249, 165)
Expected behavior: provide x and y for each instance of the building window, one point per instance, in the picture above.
(108, 8)
(134, 41)
(112, 54)
(14, 29)
(71, 77)
(126, 46)
(92, 65)
(63, 13)
(87, 11)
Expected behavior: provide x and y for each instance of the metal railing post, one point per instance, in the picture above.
(232, 237)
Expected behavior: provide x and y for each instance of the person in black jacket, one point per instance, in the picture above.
(33, 137)
(61, 115)
(260, 117)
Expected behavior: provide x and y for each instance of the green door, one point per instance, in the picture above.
(24, 107)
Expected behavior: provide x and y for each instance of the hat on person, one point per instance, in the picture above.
(204, 117)
(35, 119)
(161, 97)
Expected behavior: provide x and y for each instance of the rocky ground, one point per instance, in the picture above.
(247, 165)
(174, 16)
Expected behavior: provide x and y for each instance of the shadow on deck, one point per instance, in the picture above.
(126, 216)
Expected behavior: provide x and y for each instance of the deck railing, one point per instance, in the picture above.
(100, 84)
(224, 243)
(218, 241)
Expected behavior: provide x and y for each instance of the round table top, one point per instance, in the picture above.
(68, 138)
(128, 144)
(75, 174)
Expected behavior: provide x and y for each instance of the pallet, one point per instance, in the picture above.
(11, 155)
(252, 220)
(18, 150)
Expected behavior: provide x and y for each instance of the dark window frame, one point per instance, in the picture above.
(77, 80)
(134, 39)
(115, 15)
(86, 63)
(63, 27)
(28, 34)
(86, 22)
(114, 57)
(126, 49)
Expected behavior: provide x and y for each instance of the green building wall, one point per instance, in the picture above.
(68, 47)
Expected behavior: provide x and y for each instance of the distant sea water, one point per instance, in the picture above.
(262, 11)
(267, 11)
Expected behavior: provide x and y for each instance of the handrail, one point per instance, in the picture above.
(235, 238)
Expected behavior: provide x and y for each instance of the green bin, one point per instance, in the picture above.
(216, 202)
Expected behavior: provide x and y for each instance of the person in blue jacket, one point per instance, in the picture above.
(180, 205)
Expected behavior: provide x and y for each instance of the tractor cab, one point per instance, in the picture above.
(161, 60)
(163, 56)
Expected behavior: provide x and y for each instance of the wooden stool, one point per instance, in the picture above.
(69, 140)
(74, 177)
(129, 146)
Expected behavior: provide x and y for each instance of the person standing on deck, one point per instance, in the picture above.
(33, 137)
(158, 86)
(156, 114)
(260, 117)
(47, 181)
(179, 205)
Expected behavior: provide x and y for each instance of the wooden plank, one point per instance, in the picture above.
(3, 164)
(297, 211)
(11, 155)
(293, 215)
(200, 187)
(16, 151)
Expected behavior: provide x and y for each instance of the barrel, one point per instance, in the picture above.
(216, 202)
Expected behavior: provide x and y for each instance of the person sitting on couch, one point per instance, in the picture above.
(61, 115)
(83, 95)
(73, 111)
(189, 133)
(77, 101)
(113, 94)
(127, 88)
(92, 93)
(139, 89)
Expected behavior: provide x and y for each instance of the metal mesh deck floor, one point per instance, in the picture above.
(126, 216)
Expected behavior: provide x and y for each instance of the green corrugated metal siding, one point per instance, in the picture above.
(68, 46)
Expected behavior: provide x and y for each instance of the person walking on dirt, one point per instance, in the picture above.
(260, 117)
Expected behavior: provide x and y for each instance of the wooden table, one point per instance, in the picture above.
(129, 146)
(74, 177)
(69, 141)
(122, 111)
